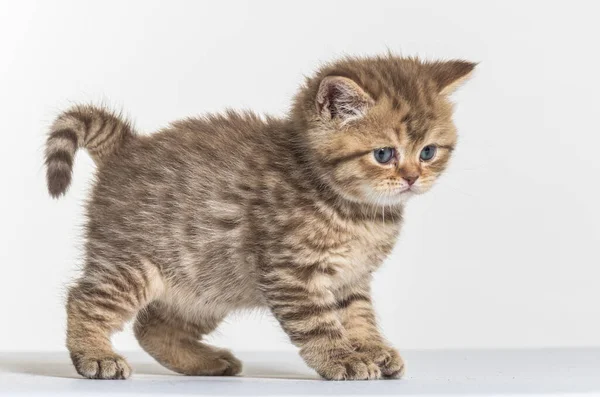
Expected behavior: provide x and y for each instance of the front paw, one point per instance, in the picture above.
(349, 365)
(387, 358)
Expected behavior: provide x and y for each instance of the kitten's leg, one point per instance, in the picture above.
(306, 309)
(358, 317)
(175, 342)
(99, 304)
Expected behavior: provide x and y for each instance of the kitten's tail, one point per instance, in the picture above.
(96, 129)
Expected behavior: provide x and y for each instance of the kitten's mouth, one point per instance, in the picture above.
(405, 190)
(407, 193)
(390, 196)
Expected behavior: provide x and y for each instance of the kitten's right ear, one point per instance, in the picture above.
(449, 75)
(340, 97)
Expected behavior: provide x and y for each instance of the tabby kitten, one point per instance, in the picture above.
(235, 211)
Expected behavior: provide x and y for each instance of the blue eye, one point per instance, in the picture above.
(384, 155)
(428, 152)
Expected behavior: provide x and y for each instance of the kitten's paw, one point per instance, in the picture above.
(387, 358)
(109, 366)
(219, 362)
(352, 366)
(233, 366)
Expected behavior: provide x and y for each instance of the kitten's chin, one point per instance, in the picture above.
(396, 199)
(388, 199)
(366, 195)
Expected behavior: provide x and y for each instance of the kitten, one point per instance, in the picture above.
(234, 211)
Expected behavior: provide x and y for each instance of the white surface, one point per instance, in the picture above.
(467, 372)
(502, 253)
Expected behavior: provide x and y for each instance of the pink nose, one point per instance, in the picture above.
(410, 179)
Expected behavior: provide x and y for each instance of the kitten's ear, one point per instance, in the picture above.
(340, 97)
(449, 75)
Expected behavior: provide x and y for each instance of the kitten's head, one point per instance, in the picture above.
(380, 129)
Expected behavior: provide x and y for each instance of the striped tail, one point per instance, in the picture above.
(98, 130)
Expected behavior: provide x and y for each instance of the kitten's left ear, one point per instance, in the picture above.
(449, 75)
(340, 97)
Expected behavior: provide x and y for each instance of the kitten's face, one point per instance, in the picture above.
(382, 151)
(386, 157)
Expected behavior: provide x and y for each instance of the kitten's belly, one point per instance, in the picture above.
(195, 307)
(197, 290)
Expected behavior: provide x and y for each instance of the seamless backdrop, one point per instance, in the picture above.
(503, 252)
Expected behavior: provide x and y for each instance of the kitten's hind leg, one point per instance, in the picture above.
(99, 304)
(175, 343)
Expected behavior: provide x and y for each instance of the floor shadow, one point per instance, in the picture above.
(56, 369)
(460, 372)
(58, 365)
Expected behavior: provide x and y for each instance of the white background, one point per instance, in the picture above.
(501, 253)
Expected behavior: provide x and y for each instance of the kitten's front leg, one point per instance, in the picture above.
(357, 315)
(307, 311)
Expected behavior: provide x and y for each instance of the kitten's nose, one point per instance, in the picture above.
(410, 178)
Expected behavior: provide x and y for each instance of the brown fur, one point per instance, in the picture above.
(234, 211)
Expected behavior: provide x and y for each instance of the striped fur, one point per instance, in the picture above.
(98, 130)
(234, 211)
